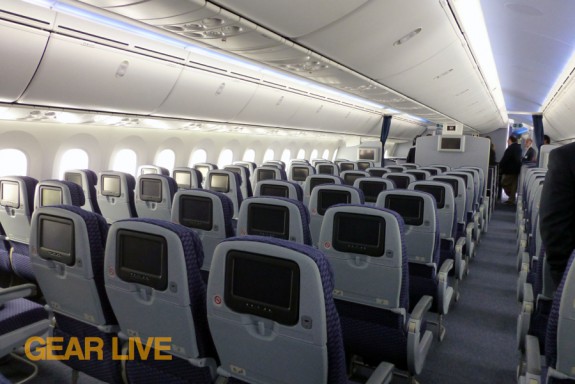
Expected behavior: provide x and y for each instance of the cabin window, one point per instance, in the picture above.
(13, 162)
(73, 159)
(269, 155)
(301, 154)
(166, 159)
(226, 158)
(125, 161)
(325, 154)
(249, 155)
(286, 156)
(198, 156)
(314, 154)
(334, 154)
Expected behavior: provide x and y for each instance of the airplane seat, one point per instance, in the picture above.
(432, 170)
(349, 177)
(559, 356)
(299, 172)
(377, 171)
(154, 196)
(324, 196)
(67, 246)
(444, 168)
(313, 181)
(327, 169)
(187, 178)
(228, 183)
(209, 214)
(245, 177)
(258, 345)
(116, 195)
(427, 276)
(87, 179)
(278, 163)
(204, 168)
(472, 214)
(366, 248)
(409, 166)
(250, 165)
(395, 168)
(478, 206)
(17, 206)
(400, 179)
(166, 297)
(279, 188)
(20, 319)
(152, 170)
(276, 217)
(371, 187)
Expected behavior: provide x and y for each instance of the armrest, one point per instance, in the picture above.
(444, 291)
(524, 318)
(533, 358)
(470, 239)
(459, 259)
(382, 375)
(528, 299)
(17, 292)
(418, 345)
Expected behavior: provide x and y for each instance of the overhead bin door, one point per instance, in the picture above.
(21, 49)
(271, 106)
(80, 74)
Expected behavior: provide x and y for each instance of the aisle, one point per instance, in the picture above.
(479, 346)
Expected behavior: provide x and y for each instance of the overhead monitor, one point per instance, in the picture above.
(50, 196)
(274, 190)
(268, 220)
(355, 233)
(400, 181)
(326, 198)
(363, 165)
(56, 239)
(10, 194)
(437, 191)
(346, 167)
(73, 177)
(452, 129)
(451, 144)
(325, 169)
(196, 212)
(299, 173)
(183, 179)
(372, 189)
(266, 174)
(219, 182)
(349, 178)
(315, 181)
(142, 258)
(263, 286)
(370, 154)
(110, 186)
(151, 190)
(408, 207)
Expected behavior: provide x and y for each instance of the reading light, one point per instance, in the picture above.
(409, 36)
(472, 24)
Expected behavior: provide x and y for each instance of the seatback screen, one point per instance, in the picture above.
(196, 212)
(219, 183)
(355, 233)
(50, 196)
(268, 220)
(266, 174)
(315, 181)
(73, 177)
(299, 173)
(408, 207)
(274, 190)
(151, 190)
(110, 185)
(349, 178)
(56, 239)
(371, 189)
(401, 182)
(326, 198)
(438, 192)
(325, 169)
(346, 167)
(183, 179)
(10, 194)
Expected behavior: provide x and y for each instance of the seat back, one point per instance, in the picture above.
(17, 206)
(395, 168)
(245, 178)
(272, 315)
(469, 189)
(58, 192)
(275, 217)
(349, 177)
(275, 163)
(299, 172)
(156, 287)
(419, 174)
(116, 195)
(325, 196)
(315, 180)
(67, 252)
(204, 168)
(363, 165)
(372, 186)
(442, 167)
(445, 203)
(327, 169)
(267, 173)
(250, 165)
(400, 179)
(279, 188)
(459, 194)
(187, 178)
(432, 170)
(209, 214)
(409, 166)
(87, 180)
(418, 211)
(228, 183)
(482, 181)
(476, 186)
(377, 171)
(365, 247)
(154, 194)
(152, 170)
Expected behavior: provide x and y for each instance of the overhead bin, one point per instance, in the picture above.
(18, 61)
(270, 106)
(79, 74)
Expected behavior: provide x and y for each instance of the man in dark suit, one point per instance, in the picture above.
(509, 167)
(557, 210)
(530, 155)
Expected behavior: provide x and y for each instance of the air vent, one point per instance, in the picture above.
(443, 74)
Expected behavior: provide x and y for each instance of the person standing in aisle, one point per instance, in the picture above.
(510, 167)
